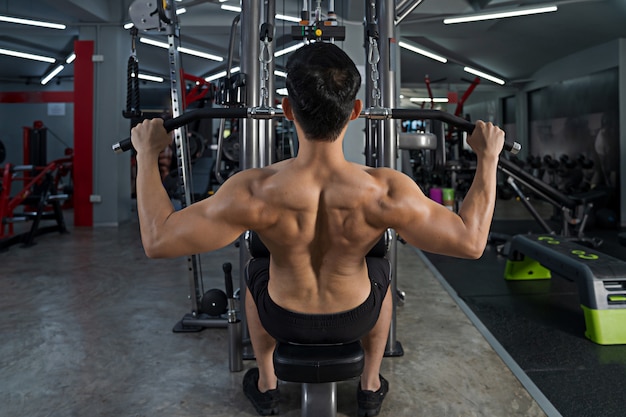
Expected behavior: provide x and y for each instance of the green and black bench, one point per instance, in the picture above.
(601, 280)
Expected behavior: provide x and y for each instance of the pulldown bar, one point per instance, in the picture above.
(376, 113)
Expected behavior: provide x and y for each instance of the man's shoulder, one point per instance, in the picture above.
(255, 174)
(384, 173)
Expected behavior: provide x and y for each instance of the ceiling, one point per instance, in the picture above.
(512, 48)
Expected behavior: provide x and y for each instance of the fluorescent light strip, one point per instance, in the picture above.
(422, 52)
(484, 75)
(289, 49)
(53, 74)
(499, 15)
(200, 54)
(280, 73)
(182, 49)
(237, 9)
(31, 22)
(221, 74)
(287, 18)
(150, 78)
(230, 8)
(70, 58)
(426, 99)
(27, 56)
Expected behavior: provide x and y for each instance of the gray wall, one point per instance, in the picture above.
(111, 172)
(598, 58)
(14, 116)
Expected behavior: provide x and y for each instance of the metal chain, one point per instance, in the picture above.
(373, 58)
(265, 57)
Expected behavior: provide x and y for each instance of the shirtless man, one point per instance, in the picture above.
(318, 215)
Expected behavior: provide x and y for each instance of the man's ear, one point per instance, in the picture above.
(287, 110)
(356, 110)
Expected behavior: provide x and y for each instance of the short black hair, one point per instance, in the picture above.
(322, 84)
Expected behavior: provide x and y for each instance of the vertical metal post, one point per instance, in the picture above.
(387, 142)
(371, 127)
(249, 139)
(267, 133)
(250, 25)
(182, 148)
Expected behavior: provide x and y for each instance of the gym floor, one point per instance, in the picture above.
(87, 330)
(541, 325)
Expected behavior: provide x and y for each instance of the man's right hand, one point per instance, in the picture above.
(150, 137)
(487, 140)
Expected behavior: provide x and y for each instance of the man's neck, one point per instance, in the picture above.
(317, 152)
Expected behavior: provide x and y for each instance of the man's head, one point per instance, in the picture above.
(322, 83)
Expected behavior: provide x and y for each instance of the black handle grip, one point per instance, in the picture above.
(228, 279)
(459, 122)
(188, 117)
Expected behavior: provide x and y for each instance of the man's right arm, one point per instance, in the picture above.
(430, 226)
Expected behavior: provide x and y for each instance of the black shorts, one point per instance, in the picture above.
(343, 327)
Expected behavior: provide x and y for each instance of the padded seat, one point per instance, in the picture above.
(318, 364)
(318, 368)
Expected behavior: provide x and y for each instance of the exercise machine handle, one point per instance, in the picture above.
(459, 122)
(188, 117)
(243, 112)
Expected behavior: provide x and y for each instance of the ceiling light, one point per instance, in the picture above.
(182, 49)
(52, 74)
(422, 52)
(70, 58)
(230, 8)
(181, 10)
(221, 74)
(148, 41)
(237, 9)
(150, 78)
(280, 73)
(31, 22)
(484, 75)
(287, 18)
(200, 54)
(289, 49)
(282, 91)
(429, 100)
(499, 15)
(27, 56)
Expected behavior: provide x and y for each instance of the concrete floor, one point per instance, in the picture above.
(87, 324)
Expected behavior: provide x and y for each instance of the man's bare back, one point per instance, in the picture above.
(322, 224)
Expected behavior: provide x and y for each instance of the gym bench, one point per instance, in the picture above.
(317, 367)
(601, 280)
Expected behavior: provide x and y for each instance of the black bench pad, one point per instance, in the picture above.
(318, 364)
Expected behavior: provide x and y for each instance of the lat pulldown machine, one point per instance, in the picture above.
(255, 111)
(319, 395)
